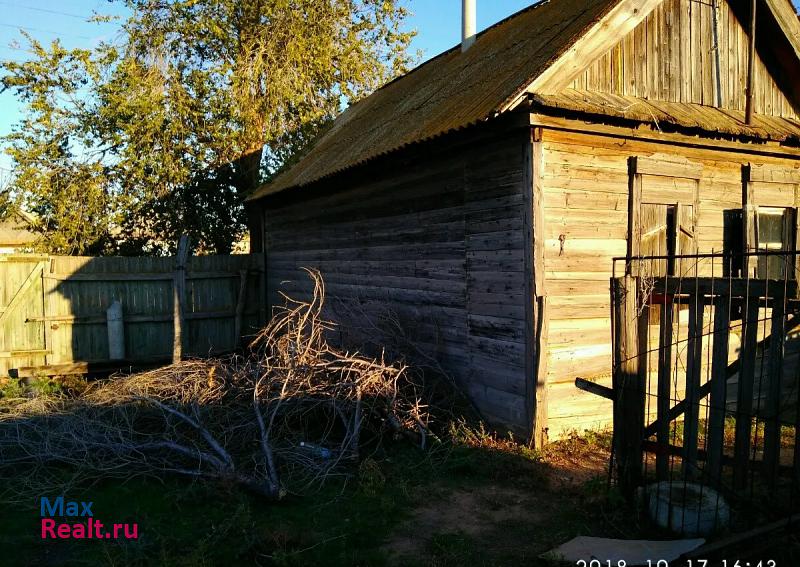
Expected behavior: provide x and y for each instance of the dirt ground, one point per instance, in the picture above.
(474, 513)
(510, 520)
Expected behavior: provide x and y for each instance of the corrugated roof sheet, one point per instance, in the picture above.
(707, 118)
(451, 91)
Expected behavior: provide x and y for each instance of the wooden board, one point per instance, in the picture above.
(439, 248)
(683, 52)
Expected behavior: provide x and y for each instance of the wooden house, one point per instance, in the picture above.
(483, 195)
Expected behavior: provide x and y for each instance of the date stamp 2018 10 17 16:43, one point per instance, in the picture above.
(680, 563)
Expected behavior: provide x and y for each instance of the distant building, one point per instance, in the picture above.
(16, 235)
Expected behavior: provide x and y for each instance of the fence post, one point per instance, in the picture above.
(772, 411)
(663, 399)
(694, 366)
(178, 297)
(628, 383)
(717, 395)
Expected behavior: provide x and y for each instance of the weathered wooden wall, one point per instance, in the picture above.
(434, 238)
(586, 180)
(60, 314)
(676, 56)
(443, 244)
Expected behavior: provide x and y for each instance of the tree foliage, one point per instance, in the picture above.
(124, 147)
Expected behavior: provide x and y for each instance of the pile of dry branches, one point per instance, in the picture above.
(290, 414)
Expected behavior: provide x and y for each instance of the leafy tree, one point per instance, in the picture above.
(65, 189)
(127, 146)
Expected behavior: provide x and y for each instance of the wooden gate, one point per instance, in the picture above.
(22, 342)
(53, 308)
(706, 385)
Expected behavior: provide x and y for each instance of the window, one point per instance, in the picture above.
(759, 229)
(664, 194)
(773, 234)
(769, 223)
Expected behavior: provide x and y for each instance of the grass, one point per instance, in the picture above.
(40, 385)
(757, 432)
(348, 522)
(198, 524)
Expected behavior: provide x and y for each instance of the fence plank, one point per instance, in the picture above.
(772, 424)
(719, 377)
(628, 384)
(733, 287)
(47, 332)
(155, 318)
(744, 396)
(663, 389)
(240, 301)
(140, 276)
(694, 364)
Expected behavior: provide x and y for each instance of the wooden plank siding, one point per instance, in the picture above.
(443, 246)
(673, 56)
(586, 184)
(436, 242)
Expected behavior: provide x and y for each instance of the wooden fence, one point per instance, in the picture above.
(706, 385)
(53, 308)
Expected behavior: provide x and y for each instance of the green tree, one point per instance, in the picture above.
(200, 102)
(57, 176)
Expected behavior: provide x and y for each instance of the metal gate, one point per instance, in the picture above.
(706, 379)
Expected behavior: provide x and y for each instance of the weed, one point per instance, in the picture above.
(37, 386)
(44, 386)
(371, 479)
(10, 388)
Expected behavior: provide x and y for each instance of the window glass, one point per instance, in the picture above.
(772, 233)
(770, 229)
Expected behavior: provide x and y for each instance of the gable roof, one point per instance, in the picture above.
(448, 92)
(535, 50)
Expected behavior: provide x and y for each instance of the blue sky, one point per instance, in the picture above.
(437, 22)
(438, 25)
(47, 20)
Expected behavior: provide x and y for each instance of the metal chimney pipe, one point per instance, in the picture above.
(467, 24)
